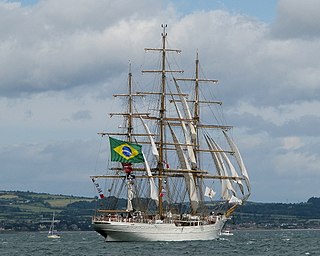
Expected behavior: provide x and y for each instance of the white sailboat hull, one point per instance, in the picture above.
(54, 236)
(125, 231)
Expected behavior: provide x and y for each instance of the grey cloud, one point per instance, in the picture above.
(60, 167)
(297, 19)
(48, 48)
(307, 125)
(82, 115)
(52, 57)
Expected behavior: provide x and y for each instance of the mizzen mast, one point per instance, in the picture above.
(197, 101)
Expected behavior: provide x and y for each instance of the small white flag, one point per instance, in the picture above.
(209, 192)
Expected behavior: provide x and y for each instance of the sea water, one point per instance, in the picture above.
(280, 242)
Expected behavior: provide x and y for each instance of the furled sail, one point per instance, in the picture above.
(239, 161)
(187, 140)
(153, 189)
(226, 185)
(153, 144)
(189, 179)
(187, 113)
(230, 167)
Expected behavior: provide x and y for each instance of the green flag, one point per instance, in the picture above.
(125, 152)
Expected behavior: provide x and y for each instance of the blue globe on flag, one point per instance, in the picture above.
(126, 151)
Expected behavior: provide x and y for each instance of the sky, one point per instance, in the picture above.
(61, 61)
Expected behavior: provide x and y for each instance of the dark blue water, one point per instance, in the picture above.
(287, 242)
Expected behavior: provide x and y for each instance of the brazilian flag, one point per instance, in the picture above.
(125, 152)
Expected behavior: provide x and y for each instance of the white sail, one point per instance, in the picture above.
(239, 161)
(187, 113)
(230, 167)
(190, 182)
(153, 189)
(153, 144)
(226, 185)
(52, 232)
(187, 139)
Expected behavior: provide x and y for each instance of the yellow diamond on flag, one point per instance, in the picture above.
(126, 151)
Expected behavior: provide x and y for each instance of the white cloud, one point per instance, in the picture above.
(279, 115)
(54, 117)
(298, 164)
(291, 143)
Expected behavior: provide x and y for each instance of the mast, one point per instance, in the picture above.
(197, 101)
(130, 128)
(162, 115)
(130, 114)
(129, 134)
(162, 111)
(196, 120)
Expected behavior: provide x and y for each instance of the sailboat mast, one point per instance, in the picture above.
(130, 128)
(196, 117)
(162, 110)
(162, 116)
(196, 101)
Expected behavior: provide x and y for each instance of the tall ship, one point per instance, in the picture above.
(173, 171)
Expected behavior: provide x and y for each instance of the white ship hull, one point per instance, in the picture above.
(126, 231)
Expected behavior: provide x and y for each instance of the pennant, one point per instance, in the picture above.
(100, 192)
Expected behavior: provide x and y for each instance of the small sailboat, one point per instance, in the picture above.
(174, 173)
(52, 232)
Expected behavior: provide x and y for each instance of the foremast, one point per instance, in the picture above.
(128, 134)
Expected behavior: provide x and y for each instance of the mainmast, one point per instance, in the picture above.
(162, 116)
(162, 111)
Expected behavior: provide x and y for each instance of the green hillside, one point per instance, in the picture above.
(33, 211)
(278, 215)
(29, 211)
